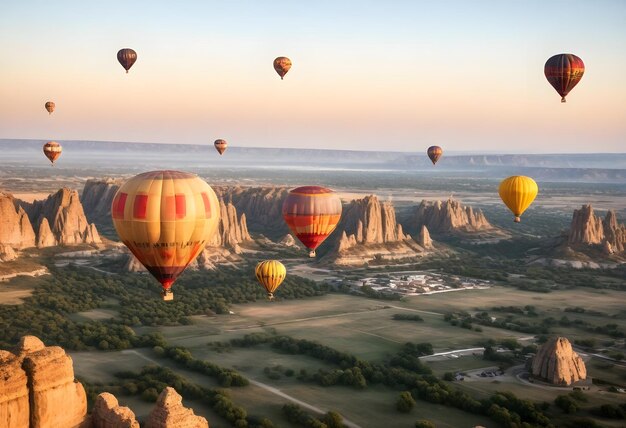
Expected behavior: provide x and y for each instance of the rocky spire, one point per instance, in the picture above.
(449, 216)
(170, 412)
(557, 363)
(16, 230)
(588, 229)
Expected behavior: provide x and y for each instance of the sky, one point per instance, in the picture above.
(367, 75)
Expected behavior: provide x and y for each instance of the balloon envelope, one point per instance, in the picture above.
(52, 150)
(518, 192)
(165, 218)
(434, 153)
(50, 106)
(270, 273)
(220, 146)
(127, 58)
(282, 64)
(312, 213)
(564, 71)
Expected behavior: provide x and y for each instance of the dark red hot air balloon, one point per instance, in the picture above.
(564, 71)
(434, 153)
(127, 58)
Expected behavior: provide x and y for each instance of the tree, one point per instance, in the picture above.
(449, 376)
(333, 419)
(566, 403)
(424, 423)
(405, 402)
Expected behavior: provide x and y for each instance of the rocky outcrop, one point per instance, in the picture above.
(170, 412)
(7, 253)
(16, 230)
(288, 241)
(449, 217)
(97, 197)
(45, 238)
(66, 218)
(588, 229)
(232, 229)
(107, 413)
(368, 231)
(557, 363)
(424, 238)
(14, 403)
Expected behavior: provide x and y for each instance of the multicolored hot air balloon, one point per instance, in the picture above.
(220, 146)
(312, 213)
(52, 150)
(434, 153)
(165, 218)
(518, 192)
(270, 273)
(127, 58)
(564, 71)
(282, 64)
(49, 106)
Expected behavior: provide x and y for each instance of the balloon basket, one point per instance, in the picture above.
(167, 295)
(312, 254)
(517, 220)
(270, 297)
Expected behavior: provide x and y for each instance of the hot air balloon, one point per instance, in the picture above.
(518, 192)
(282, 64)
(165, 218)
(49, 106)
(127, 58)
(434, 153)
(52, 150)
(220, 146)
(312, 213)
(270, 273)
(564, 71)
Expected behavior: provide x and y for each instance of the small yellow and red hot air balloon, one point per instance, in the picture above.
(270, 273)
(282, 64)
(518, 192)
(434, 153)
(165, 218)
(312, 213)
(220, 146)
(49, 106)
(564, 71)
(127, 58)
(52, 150)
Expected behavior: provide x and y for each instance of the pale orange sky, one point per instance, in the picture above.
(365, 75)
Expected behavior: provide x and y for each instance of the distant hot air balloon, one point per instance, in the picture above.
(127, 58)
(49, 106)
(518, 192)
(165, 218)
(270, 273)
(312, 213)
(220, 146)
(564, 71)
(434, 153)
(52, 150)
(282, 64)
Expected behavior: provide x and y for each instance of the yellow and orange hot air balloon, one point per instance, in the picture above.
(312, 213)
(518, 192)
(434, 153)
(564, 71)
(282, 64)
(52, 150)
(220, 146)
(165, 218)
(49, 106)
(270, 273)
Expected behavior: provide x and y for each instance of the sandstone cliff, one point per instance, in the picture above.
(557, 363)
(16, 230)
(107, 413)
(65, 219)
(368, 231)
(97, 197)
(14, 403)
(232, 229)
(169, 412)
(449, 217)
(588, 229)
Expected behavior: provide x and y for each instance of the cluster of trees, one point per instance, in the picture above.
(570, 403)
(508, 322)
(610, 411)
(407, 317)
(405, 402)
(529, 310)
(299, 417)
(226, 377)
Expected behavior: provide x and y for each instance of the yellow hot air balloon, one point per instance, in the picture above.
(518, 192)
(270, 273)
(165, 218)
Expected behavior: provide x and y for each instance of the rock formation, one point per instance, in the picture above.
(424, 238)
(66, 219)
(107, 413)
(288, 241)
(170, 412)
(368, 230)
(7, 253)
(232, 230)
(557, 363)
(449, 217)
(589, 229)
(16, 230)
(97, 197)
(14, 404)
